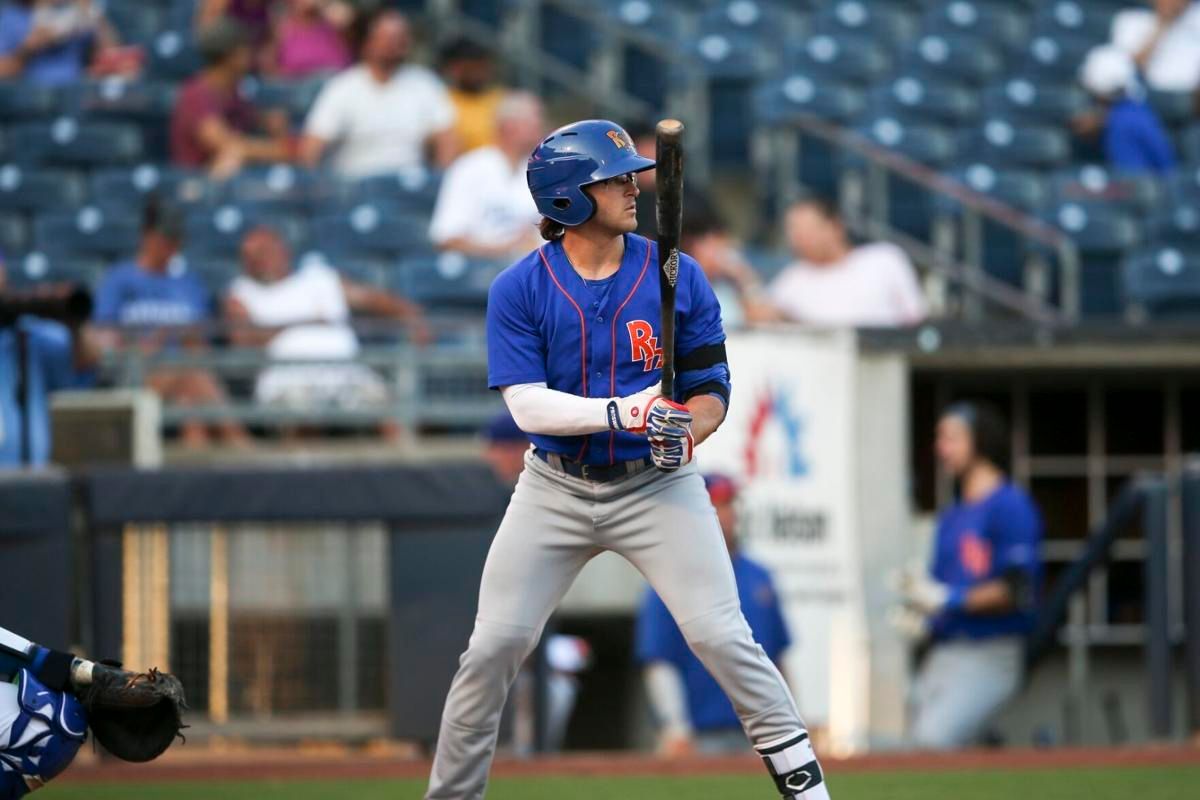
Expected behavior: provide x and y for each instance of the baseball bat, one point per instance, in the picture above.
(669, 212)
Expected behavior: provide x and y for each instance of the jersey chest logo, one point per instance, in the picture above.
(643, 345)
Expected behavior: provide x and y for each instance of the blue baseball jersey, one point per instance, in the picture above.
(130, 295)
(658, 638)
(546, 324)
(981, 541)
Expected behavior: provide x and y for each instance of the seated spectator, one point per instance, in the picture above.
(483, 207)
(1133, 136)
(470, 72)
(59, 42)
(832, 283)
(304, 315)
(254, 16)
(309, 38)
(56, 356)
(692, 712)
(156, 304)
(976, 599)
(737, 286)
(1164, 43)
(383, 114)
(212, 125)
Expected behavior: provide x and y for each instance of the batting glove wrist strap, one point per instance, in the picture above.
(629, 413)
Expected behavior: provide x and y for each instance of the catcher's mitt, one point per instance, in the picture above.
(135, 716)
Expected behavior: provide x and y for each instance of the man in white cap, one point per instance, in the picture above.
(1132, 135)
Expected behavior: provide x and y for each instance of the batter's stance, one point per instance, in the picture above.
(573, 347)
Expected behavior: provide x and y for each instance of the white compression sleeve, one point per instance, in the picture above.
(668, 698)
(538, 409)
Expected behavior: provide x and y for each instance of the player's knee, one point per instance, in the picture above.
(713, 635)
(43, 738)
(498, 647)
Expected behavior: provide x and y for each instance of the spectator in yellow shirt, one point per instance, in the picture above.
(469, 70)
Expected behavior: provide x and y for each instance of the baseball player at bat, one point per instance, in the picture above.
(574, 348)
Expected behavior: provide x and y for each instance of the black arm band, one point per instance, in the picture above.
(1020, 587)
(711, 387)
(702, 358)
(55, 671)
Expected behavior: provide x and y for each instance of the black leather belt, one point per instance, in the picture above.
(597, 473)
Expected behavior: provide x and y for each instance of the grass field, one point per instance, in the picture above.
(1143, 783)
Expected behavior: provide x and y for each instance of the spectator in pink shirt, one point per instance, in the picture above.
(309, 38)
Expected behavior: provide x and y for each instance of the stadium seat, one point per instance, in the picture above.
(1183, 185)
(1103, 235)
(1163, 281)
(142, 101)
(38, 267)
(724, 55)
(1190, 149)
(135, 21)
(1132, 193)
(1004, 143)
(371, 271)
(644, 73)
(1033, 99)
(1175, 109)
(128, 190)
(173, 56)
(761, 21)
(293, 97)
(412, 190)
(1003, 23)
(928, 144)
(565, 36)
(69, 141)
(446, 281)
(14, 234)
(372, 229)
(1175, 224)
(1074, 17)
(968, 58)
(86, 231)
(882, 20)
(801, 94)
(31, 189)
(218, 231)
(21, 100)
(214, 272)
(849, 58)
(1054, 56)
(277, 188)
(916, 98)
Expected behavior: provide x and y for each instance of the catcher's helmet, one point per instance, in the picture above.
(575, 156)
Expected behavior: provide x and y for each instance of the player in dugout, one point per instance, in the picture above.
(976, 598)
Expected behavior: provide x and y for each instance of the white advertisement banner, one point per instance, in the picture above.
(789, 442)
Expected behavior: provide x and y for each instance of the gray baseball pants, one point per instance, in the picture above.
(960, 687)
(662, 523)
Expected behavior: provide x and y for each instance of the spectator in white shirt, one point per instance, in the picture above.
(1164, 41)
(382, 114)
(484, 208)
(832, 283)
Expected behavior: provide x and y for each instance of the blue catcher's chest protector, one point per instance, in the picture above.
(40, 733)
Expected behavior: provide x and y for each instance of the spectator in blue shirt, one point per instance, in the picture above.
(976, 599)
(693, 713)
(153, 302)
(55, 357)
(50, 42)
(1132, 135)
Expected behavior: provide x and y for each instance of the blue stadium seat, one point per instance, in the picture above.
(14, 234)
(1175, 224)
(1132, 193)
(23, 100)
(1033, 99)
(86, 231)
(1054, 56)
(883, 20)
(215, 272)
(968, 58)
(762, 21)
(136, 21)
(371, 271)
(1074, 18)
(277, 188)
(31, 189)
(1183, 185)
(446, 281)
(372, 229)
(1163, 281)
(218, 231)
(489, 12)
(3, 146)
(1175, 109)
(1103, 235)
(850, 58)
(566, 36)
(917, 98)
(1003, 23)
(69, 141)
(142, 101)
(801, 94)
(294, 97)
(126, 190)
(412, 190)
(1004, 143)
(38, 267)
(928, 144)
(727, 55)
(1190, 141)
(173, 55)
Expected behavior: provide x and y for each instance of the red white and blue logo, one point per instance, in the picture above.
(774, 438)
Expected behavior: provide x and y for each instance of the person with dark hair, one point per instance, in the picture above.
(153, 302)
(469, 70)
(212, 125)
(60, 42)
(833, 283)
(976, 599)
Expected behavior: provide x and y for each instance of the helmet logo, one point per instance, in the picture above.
(621, 139)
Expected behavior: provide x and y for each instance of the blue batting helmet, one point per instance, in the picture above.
(575, 156)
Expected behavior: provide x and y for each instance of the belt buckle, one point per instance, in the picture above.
(584, 470)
